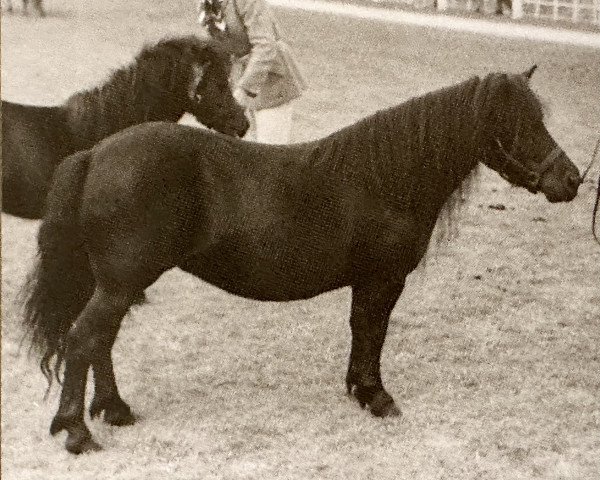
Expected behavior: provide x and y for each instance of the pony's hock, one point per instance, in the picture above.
(164, 81)
(266, 222)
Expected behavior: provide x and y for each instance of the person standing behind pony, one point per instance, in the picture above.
(265, 76)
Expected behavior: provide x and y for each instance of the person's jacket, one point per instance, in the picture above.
(265, 67)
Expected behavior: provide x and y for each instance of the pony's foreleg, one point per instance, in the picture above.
(372, 305)
(84, 340)
(106, 394)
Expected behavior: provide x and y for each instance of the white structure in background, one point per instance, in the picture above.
(587, 11)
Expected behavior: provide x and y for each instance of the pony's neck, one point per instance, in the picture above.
(418, 153)
(125, 100)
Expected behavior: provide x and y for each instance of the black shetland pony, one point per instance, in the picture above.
(164, 81)
(279, 223)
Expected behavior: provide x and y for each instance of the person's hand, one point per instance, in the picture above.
(242, 97)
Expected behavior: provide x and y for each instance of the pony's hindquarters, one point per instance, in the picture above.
(61, 283)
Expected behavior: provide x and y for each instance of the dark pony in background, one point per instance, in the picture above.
(164, 81)
(355, 209)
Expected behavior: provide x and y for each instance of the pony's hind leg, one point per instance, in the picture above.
(106, 394)
(102, 314)
(372, 305)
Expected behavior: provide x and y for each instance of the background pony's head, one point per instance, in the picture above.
(195, 73)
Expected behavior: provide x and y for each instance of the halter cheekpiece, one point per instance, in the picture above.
(528, 177)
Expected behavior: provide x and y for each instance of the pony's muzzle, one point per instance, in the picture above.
(244, 127)
(574, 180)
(560, 183)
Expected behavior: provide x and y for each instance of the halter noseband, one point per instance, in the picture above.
(529, 178)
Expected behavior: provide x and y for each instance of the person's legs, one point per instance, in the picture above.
(274, 125)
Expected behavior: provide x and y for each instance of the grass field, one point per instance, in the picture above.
(493, 351)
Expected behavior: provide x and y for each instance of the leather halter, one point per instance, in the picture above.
(515, 172)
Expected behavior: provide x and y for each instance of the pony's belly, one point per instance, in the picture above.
(273, 279)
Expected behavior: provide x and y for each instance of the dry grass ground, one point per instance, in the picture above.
(493, 351)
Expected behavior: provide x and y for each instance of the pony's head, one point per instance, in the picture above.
(195, 75)
(210, 98)
(515, 141)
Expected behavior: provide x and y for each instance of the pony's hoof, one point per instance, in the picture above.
(79, 438)
(380, 403)
(383, 405)
(119, 418)
(77, 445)
(116, 412)
(387, 411)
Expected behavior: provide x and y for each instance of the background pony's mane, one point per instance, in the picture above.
(136, 92)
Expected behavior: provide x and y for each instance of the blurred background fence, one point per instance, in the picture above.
(574, 11)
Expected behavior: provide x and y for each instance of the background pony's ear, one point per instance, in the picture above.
(198, 71)
(528, 73)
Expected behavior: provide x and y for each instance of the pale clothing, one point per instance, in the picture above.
(264, 66)
(274, 125)
(269, 125)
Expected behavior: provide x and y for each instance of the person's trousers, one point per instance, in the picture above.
(271, 125)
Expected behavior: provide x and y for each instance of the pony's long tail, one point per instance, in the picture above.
(61, 282)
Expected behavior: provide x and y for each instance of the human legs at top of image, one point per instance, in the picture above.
(37, 5)
(479, 6)
(500, 4)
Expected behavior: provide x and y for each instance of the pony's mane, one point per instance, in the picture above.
(138, 92)
(410, 145)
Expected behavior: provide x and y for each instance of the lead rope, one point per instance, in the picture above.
(597, 202)
(586, 171)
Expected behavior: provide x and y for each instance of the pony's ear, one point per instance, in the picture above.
(198, 71)
(528, 73)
